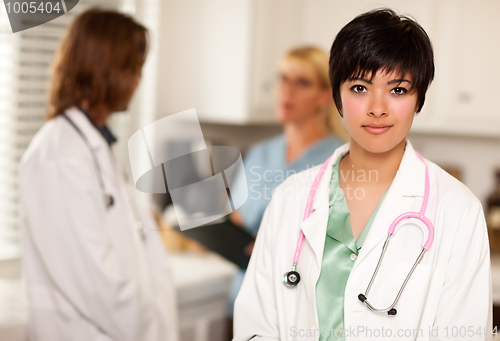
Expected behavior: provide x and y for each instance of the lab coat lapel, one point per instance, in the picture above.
(111, 173)
(408, 183)
(97, 142)
(314, 227)
(93, 136)
(100, 147)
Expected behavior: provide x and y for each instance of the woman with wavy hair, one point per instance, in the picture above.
(92, 271)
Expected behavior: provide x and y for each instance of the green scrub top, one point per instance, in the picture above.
(341, 251)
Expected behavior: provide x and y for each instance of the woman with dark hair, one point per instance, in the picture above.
(389, 245)
(92, 272)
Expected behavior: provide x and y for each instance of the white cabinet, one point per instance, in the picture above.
(276, 28)
(466, 87)
(205, 55)
(203, 283)
(220, 57)
(323, 19)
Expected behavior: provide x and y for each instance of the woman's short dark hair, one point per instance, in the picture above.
(99, 60)
(382, 40)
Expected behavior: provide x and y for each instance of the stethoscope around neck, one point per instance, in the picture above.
(292, 278)
(108, 198)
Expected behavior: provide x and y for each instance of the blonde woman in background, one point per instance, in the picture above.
(312, 130)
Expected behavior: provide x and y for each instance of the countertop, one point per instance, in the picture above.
(197, 276)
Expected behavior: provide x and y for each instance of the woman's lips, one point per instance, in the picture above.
(376, 130)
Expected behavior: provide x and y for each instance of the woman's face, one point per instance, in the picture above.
(299, 95)
(136, 80)
(378, 113)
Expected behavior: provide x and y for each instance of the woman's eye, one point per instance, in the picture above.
(358, 88)
(399, 91)
(304, 83)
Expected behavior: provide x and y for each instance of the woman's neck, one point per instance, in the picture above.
(98, 118)
(385, 165)
(299, 136)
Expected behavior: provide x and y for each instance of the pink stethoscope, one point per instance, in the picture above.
(292, 278)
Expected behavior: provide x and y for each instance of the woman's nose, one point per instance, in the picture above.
(287, 89)
(378, 106)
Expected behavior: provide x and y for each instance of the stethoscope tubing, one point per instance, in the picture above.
(307, 212)
(292, 278)
(108, 198)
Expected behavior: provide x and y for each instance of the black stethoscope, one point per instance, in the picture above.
(292, 278)
(108, 198)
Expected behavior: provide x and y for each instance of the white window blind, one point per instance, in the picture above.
(8, 186)
(25, 61)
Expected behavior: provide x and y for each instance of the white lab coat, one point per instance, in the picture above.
(90, 275)
(448, 294)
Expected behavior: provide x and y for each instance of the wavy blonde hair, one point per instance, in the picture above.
(319, 61)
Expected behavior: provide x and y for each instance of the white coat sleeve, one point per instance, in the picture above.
(255, 315)
(465, 307)
(65, 213)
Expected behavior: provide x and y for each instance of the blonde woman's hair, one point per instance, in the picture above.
(319, 61)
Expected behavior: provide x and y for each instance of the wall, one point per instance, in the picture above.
(477, 158)
(241, 137)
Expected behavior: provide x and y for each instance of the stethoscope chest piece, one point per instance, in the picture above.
(291, 278)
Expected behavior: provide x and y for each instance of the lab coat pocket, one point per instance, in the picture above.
(417, 305)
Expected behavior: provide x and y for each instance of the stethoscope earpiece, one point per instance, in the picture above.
(291, 278)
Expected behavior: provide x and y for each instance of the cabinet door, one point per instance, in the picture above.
(277, 27)
(323, 19)
(464, 91)
(472, 67)
(204, 58)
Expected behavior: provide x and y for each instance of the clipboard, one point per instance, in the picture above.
(225, 238)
